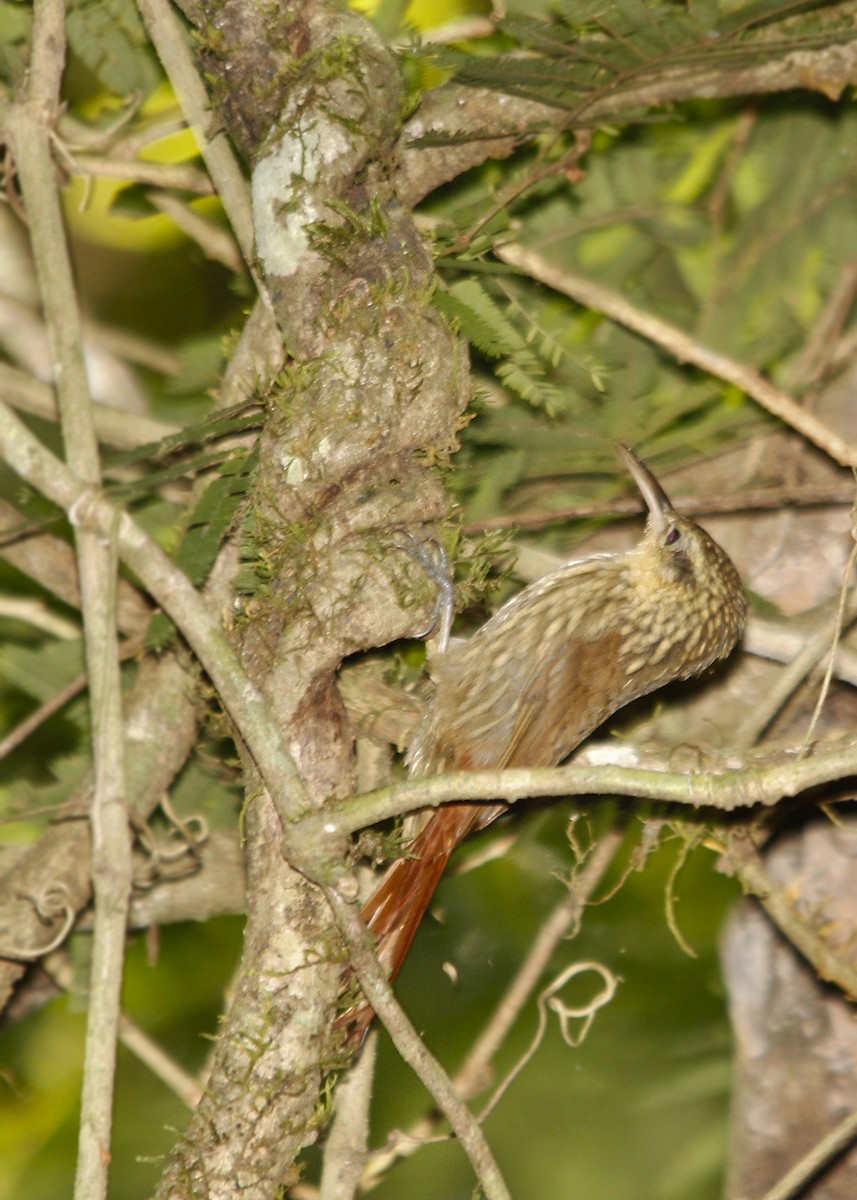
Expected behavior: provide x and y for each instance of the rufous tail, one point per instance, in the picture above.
(396, 908)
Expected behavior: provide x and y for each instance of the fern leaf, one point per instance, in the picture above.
(479, 318)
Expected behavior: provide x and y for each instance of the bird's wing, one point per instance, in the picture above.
(564, 700)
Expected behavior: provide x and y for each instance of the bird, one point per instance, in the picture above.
(547, 669)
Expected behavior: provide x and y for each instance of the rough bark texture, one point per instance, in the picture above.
(372, 398)
(796, 1038)
(484, 124)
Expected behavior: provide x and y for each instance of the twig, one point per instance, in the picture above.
(794, 674)
(751, 500)
(845, 612)
(470, 1078)
(170, 588)
(30, 125)
(821, 1155)
(474, 1073)
(781, 908)
(164, 29)
(59, 700)
(181, 176)
(159, 1063)
(216, 243)
(682, 346)
(548, 1000)
(347, 1138)
(411, 1047)
(50, 562)
(162, 726)
(37, 614)
(43, 713)
(814, 360)
(738, 783)
(781, 640)
(115, 426)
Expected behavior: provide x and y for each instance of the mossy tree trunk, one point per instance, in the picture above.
(370, 400)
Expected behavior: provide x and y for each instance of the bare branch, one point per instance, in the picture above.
(821, 1155)
(171, 588)
(465, 113)
(114, 426)
(734, 783)
(410, 1046)
(683, 347)
(160, 712)
(780, 905)
(475, 1072)
(30, 125)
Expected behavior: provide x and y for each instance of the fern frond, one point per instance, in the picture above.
(479, 318)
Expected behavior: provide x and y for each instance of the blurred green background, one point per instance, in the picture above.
(731, 219)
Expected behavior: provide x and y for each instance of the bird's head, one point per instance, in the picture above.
(678, 566)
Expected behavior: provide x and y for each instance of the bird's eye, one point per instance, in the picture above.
(672, 537)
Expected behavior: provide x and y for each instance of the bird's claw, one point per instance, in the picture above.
(434, 560)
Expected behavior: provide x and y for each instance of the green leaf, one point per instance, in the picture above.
(213, 515)
(15, 24)
(479, 318)
(207, 527)
(108, 36)
(42, 671)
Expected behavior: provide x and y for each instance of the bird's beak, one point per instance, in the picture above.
(657, 501)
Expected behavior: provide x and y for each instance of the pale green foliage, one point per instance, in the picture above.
(15, 25)
(729, 222)
(478, 318)
(731, 219)
(108, 36)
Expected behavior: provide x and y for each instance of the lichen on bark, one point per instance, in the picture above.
(369, 403)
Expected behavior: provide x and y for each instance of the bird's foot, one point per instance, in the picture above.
(434, 560)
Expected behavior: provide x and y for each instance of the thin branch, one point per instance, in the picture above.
(115, 426)
(216, 243)
(780, 906)
(376, 988)
(475, 1072)
(548, 1001)
(179, 176)
(161, 732)
(59, 700)
(781, 640)
(170, 588)
(43, 713)
(30, 127)
(36, 613)
(50, 562)
(749, 500)
(348, 1135)
(159, 1062)
(821, 1155)
(824, 640)
(845, 612)
(682, 346)
(732, 784)
(165, 31)
(815, 358)
(466, 112)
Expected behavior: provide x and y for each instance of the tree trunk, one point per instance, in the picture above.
(371, 398)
